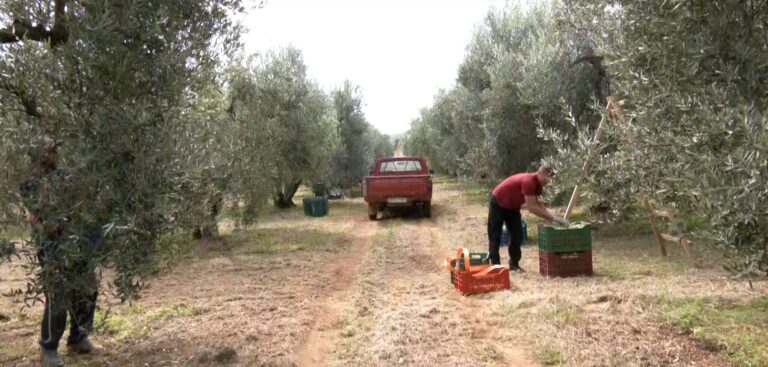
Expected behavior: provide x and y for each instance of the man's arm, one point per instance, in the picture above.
(534, 206)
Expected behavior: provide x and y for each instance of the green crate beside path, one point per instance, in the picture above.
(316, 206)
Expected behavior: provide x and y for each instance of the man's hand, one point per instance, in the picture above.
(560, 220)
(35, 221)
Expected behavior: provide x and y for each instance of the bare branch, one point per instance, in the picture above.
(22, 29)
(27, 101)
(60, 32)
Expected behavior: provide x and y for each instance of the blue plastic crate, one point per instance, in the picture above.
(505, 235)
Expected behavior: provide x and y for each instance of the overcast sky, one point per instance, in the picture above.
(400, 52)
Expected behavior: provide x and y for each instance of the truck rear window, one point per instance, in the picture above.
(400, 166)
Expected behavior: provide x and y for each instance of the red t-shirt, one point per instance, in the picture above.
(511, 193)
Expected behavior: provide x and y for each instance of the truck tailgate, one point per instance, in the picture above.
(383, 187)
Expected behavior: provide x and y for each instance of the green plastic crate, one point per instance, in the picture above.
(316, 206)
(475, 258)
(575, 238)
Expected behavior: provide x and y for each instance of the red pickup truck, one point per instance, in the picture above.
(397, 182)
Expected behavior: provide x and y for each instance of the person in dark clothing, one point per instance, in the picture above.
(518, 191)
(69, 286)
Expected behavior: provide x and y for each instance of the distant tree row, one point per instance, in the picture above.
(518, 73)
(163, 126)
(694, 75)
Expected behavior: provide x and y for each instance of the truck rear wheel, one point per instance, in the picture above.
(373, 212)
(426, 209)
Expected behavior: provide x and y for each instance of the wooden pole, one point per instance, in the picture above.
(656, 233)
(686, 243)
(612, 110)
(572, 202)
(585, 168)
(681, 237)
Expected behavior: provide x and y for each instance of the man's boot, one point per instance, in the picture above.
(50, 358)
(515, 268)
(84, 346)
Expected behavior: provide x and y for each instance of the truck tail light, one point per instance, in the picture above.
(364, 188)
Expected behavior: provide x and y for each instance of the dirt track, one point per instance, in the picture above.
(341, 290)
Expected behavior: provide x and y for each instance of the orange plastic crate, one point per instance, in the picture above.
(479, 278)
(494, 278)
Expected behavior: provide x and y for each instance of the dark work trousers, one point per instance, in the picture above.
(497, 218)
(81, 309)
(61, 301)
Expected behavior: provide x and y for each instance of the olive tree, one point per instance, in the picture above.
(359, 142)
(111, 81)
(694, 74)
(287, 131)
(519, 71)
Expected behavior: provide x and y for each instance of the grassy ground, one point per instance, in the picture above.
(737, 330)
(342, 290)
(245, 299)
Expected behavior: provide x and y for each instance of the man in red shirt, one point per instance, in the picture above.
(518, 191)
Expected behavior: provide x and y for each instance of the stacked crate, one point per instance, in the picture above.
(565, 252)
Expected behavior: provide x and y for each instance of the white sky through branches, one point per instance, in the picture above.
(400, 52)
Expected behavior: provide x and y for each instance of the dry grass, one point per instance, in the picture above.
(268, 295)
(248, 299)
(403, 313)
(599, 320)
